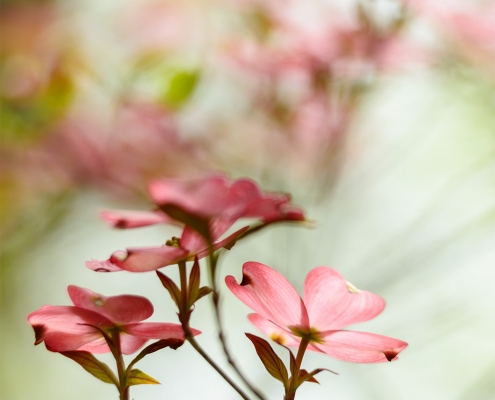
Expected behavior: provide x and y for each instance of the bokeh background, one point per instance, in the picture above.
(377, 116)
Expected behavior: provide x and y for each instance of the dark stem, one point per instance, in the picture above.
(190, 338)
(184, 319)
(291, 394)
(119, 359)
(212, 266)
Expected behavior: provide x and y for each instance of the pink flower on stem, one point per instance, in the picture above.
(80, 327)
(330, 304)
(217, 196)
(190, 245)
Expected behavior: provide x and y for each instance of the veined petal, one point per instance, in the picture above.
(273, 331)
(123, 309)
(130, 344)
(157, 330)
(60, 341)
(98, 346)
(102, 266)
(66, 327)
(268, 293)
(333, 304)
(125, 219)
(144, 259)
(360, 347)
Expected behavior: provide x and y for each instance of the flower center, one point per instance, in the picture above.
(311, 334)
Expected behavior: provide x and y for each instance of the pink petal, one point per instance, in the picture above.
(96, 347)
(65, 327)
(275, 332)
(194, 241)
(206, 196)
(331, 305)
(102, 266)
(125, 219)
(157, 330)
(144, 259)
(360, 347)
(268, 293)
(222, 243)
(123, 309)
(130, 344)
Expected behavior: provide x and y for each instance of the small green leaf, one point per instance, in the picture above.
(94, 366)
(138, 377)
(272, 362)
(161, 344)
(170, 285)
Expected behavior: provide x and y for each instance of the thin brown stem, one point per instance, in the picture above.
(291, 393)
(190, 338)
(212, 266)
(119, 359)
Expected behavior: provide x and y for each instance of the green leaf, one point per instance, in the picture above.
(272, 362)
(170, 285)
(180, 88)
(94, 366)
(138, 377)
(161, 344)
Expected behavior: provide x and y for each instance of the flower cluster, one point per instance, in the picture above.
(206, 208)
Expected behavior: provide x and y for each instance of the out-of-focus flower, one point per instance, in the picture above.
(190, 245)
(80, 327)
(215, 196)
(330, 304)
(125, 219)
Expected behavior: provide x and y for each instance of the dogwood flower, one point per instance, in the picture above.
(330, 304)
(80, 327)
(216, 196)
(190, 245)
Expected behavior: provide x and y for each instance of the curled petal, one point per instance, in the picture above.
(360, 347)
(267, 292)
(125, 219)
(144, 259)
(102, 266)
(332, 303)
(98, 346)
(157, 330)
(123, 309)
(274, 332)
(65, 328)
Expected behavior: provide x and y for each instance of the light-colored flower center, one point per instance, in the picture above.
(351, 288)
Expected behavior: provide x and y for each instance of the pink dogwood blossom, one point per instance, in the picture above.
(190, 245)
(125, 219)
(330, 304)
(217, 196)
(78, 327)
